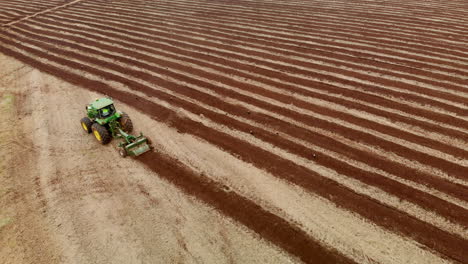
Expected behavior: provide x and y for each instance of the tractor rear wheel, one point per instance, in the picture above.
(101, 133)
(126, 123)
(86, 124)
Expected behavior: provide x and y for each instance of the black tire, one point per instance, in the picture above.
(126, 123)
(123, 152)
(101, 134)
(86, 124)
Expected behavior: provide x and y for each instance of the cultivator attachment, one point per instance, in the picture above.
(133, 146)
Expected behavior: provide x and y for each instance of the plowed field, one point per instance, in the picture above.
(284, 131)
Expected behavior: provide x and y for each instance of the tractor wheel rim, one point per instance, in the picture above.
(96, 134)
(84, 127)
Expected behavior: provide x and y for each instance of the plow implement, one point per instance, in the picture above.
(132, 145)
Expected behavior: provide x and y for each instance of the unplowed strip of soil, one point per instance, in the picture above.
(27, 6)
(284, 15)
(386, 185)
(14, 10)
(443, 242)
(306, 135)
(383, 16)
(184, 11)
(244, 17)
(281, 70)
(296, 19)
(42, 11)
(345, 13)
(266, 224)
(424, 199)
(448, 100)
(386, 13)
(212, 62)
(293, 38)
(172, 46)
(307, 53)
(237, 35)
(300, 67)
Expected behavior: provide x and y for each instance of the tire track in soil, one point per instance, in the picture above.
(449, 245)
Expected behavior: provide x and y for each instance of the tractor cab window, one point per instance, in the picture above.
(107, 111)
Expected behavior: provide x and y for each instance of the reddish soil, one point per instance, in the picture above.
(187, 65)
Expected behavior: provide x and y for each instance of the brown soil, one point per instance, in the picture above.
(62, 202)
(238, 133)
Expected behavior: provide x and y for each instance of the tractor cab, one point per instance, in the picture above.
(102, 111)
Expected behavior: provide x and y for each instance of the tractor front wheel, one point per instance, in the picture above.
(101, 133)
(86, 124)
(126, 123)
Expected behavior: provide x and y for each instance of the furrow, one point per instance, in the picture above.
(353, 236)
(305, 54)
(279, 109)
(445, 102)
(351, 13)
(446, 244)
(313, 16)
(341, 9)
(143, 53)
(332, 45)
(182, 11)
(287, 15)
(125, 80)
(231, 84)
(295, 40)
(274, 66)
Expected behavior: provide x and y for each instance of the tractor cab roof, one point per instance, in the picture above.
(101, 103)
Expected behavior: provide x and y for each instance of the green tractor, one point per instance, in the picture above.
(107, 123)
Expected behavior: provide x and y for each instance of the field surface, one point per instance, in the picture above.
(330, 131)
